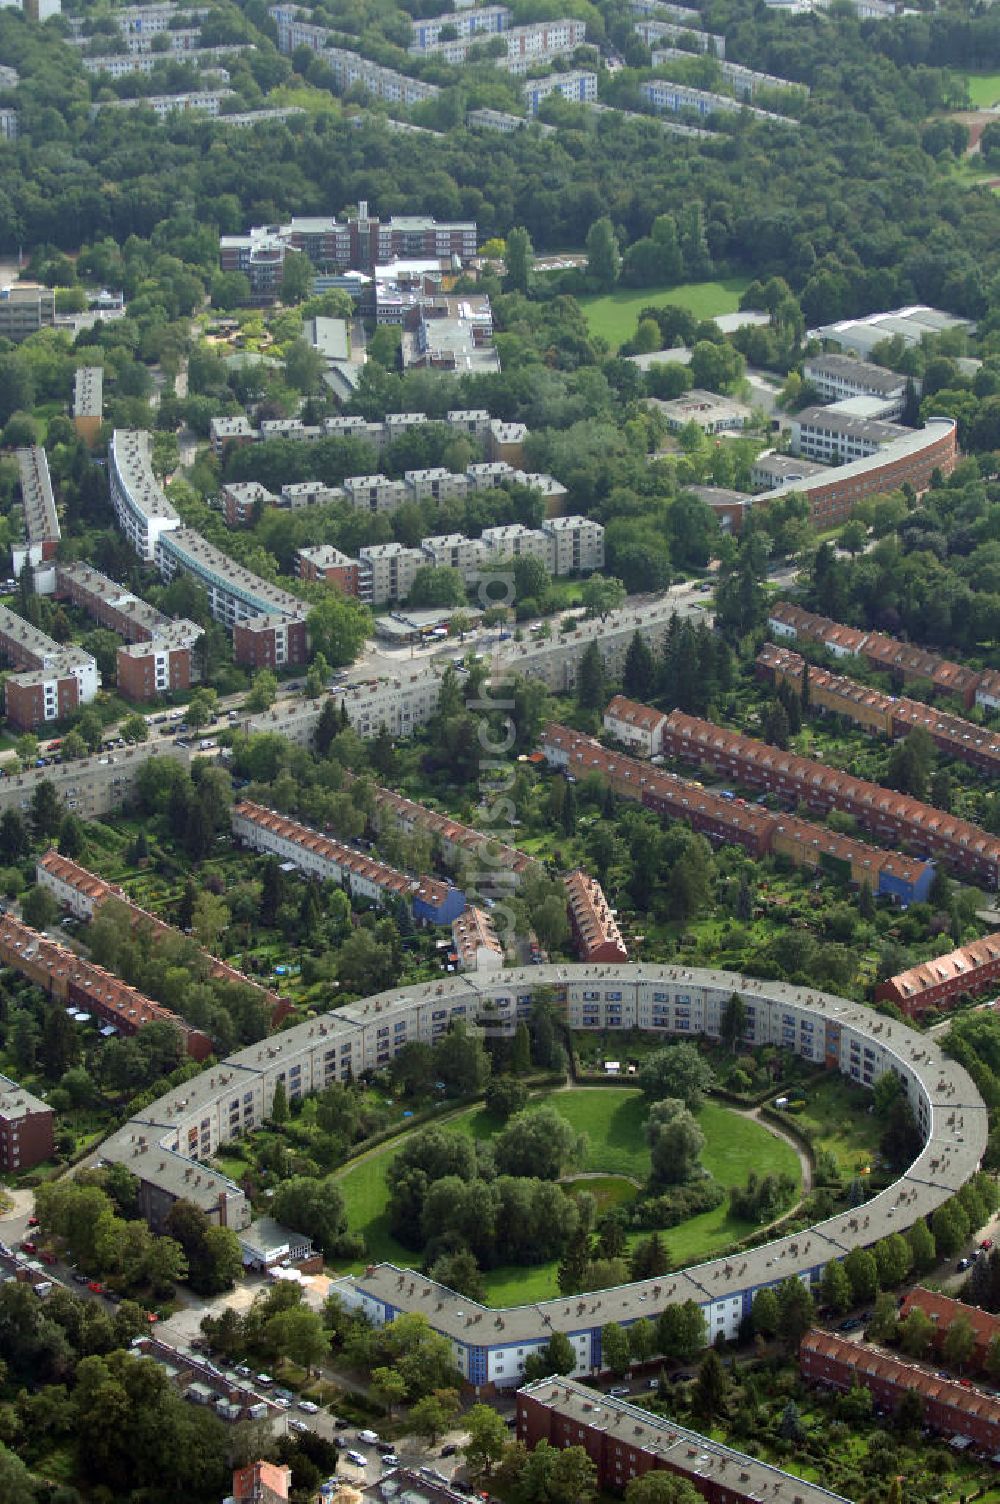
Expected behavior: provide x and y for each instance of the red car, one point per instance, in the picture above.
(151, 1316)
(986, 1244)
(96, 1286)
(32, 1221)
(29, 1247)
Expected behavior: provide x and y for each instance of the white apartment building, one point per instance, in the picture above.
(579, 87)
(515, 541)
(374, 493)
(540, 43)
(486, 21)
(454, 551)
(437, 484)
(473, 421)
(387, 572)
(652, 32)
(234, 593)
(576, 545)
(141, 506)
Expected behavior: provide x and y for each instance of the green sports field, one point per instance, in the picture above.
(615, 316)
(613, 1120)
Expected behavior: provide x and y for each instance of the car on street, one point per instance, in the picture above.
(95, 1286)
(297, 1425)
(850, 1325)
(370, 1438)
(28, 1246)
(450, 1450)
(244, 1370)
(357, 1459)
(389, 1459)
(619, 1392)
(985, 1245)
(281, 1402)
(264, 1380)
(962, 1265)
(308, 1407)
(33, 1222)
(81, 1279)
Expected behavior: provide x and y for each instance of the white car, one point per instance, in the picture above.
(308, 1407)
(281, 1402)
(357, 1459)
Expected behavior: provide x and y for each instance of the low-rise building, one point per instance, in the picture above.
(625, 1441)
(939, 982)
(638, 727)
(834, 377)
(505, 442)
(83, 894)
(730, 508)
(435, 484)
(73, 981)
(329, 566)
(25, 309)
(38, 505)
(88, 402)
(595, 928)
(27, 1135)
(950, 1407)
(244, 500)
(890, 816)
(429, 900)
(910, 324)
(833, 435)
(942, 1311)
(267, 1244)
(707, 410)
(262, 1483)
(474, 937)
(226, 431)
(773, 468)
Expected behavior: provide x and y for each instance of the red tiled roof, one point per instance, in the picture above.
(633, 713)
(942, 1310)
(593, 921)
(964, 962)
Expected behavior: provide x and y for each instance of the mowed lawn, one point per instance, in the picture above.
(984, 89)
(613, 1120)
(615, 316)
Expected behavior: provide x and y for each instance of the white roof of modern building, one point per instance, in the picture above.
(565, 524)
(17, 1102)
(228, 428)
(910, 323)
(133, 461)
(711, 1465)
(88, 392)
(329, 337)
(41, 521)
(958, 1130)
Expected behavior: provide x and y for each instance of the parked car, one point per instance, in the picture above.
(389, 1459)
(619, 1392)
(356, 1458)
(297, 1425)
(369, 1437)
(264, 1380)
(33, 1222)
(81, 1279)
(962, 1265)
(308, 1407)
(985, 1245)
(28, 1246)
(96, 1286)
(244, 1370)
(450, 1450)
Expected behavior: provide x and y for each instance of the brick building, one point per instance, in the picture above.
(72, 980)
(329, 566)
(723, 818)
(83, 893)
(940, 981)
(942, 1310)
(890, 816)
(887, 715)
(595, 929)
(51, 679)
(262, 1483)
(26, 1128)
(429, 900)
(950, 1407)
(624, 1441)
(903, 660)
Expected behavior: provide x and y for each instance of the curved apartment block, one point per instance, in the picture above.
(169, 1143)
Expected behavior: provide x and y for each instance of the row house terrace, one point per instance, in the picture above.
(83, 893)
(429, 900)
(83, 985)
(888, 815)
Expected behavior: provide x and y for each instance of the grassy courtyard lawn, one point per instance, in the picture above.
(836, 1117)
(615, 315)
(612, 1117)
(984, 89)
